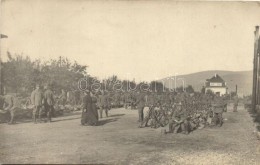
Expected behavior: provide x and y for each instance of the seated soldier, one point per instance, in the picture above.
(217, 119)
(179, 121)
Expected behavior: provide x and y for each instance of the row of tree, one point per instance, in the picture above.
(21, 74)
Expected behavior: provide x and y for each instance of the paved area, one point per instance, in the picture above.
(117, 140)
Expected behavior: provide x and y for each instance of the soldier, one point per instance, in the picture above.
(140, 102)
(63, 97)
(235, 104)
(37, 100)
(103, 103)
(218, 108)
(49, 102)
(179, 120)
(126, 100)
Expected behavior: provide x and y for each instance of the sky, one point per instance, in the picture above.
(141, 40)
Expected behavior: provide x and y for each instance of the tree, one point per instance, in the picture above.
(21, 74)
(189, 89)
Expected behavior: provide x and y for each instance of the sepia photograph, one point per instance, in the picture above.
(129, 82)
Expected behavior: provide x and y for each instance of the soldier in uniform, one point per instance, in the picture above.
(37, 100)
(49, 102)
(179, 120)
(63, 97)
(140, 102)
(218, 108)
(103, 103)
(235, 103)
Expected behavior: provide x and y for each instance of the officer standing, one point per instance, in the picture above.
(37, 100)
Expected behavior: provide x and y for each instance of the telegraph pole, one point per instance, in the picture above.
(1, 75)
(255, 91)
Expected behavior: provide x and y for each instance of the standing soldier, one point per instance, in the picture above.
(37, 100)
(63, 97)
(49, 102)
(103, 103)
(235, 104)
(140, 101)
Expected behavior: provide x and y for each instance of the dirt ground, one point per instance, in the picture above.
(118, 140)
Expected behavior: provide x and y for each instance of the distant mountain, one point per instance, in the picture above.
(243, 80)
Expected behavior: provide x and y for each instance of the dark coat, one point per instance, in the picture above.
(140, 100)
(87, 102)
(49, 97)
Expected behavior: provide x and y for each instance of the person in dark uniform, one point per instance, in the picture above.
(179, 120)
(140, 102)
(235, 103)
(94, 104)
(49, 102)
(63, 97)
(218, 109)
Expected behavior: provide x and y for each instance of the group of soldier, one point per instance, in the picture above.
(181, 112)
(42, 101)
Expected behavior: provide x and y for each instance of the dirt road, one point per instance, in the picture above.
(117, 140)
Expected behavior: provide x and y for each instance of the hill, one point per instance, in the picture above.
(243, 79)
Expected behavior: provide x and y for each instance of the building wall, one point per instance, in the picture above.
(222, 91)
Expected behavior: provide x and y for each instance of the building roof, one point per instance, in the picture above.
(216, 78)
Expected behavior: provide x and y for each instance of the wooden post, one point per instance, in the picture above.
(258, 68)
(257, 51)
(255, 74)
(1, 67)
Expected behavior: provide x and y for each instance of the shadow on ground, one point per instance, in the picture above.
(116, 115)
(103, 122)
